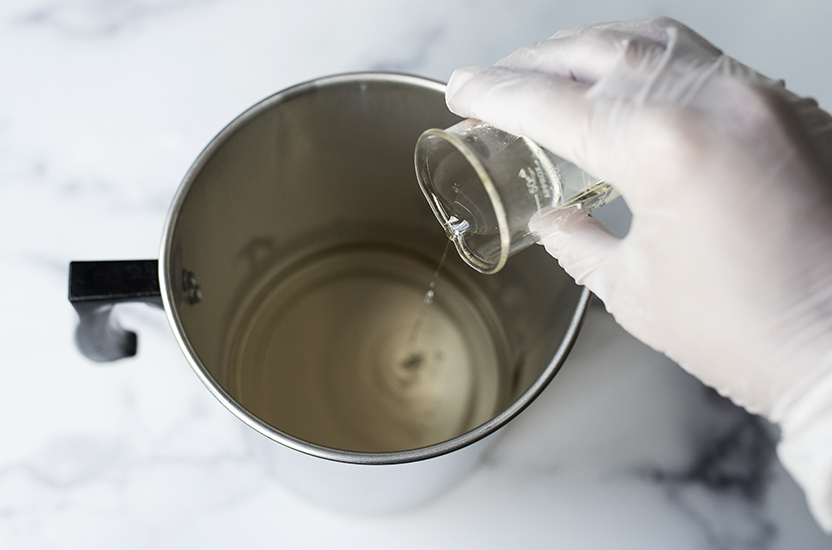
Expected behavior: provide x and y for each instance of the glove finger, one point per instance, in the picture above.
(501, 93)
(584, 58)
(651, 28)
(551, 110)
(818, 124)
(581, 244)
(656, 29)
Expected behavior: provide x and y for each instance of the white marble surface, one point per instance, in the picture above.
(103, 106)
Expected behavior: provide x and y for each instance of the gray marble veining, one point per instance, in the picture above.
(100, 18)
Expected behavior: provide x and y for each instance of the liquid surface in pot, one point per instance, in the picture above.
(326, 351)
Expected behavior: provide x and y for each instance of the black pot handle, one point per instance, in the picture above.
(94, 288)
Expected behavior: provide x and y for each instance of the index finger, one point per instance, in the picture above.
(551, 110)
(586, 57)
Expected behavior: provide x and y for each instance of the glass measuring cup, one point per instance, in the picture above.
(484, 185)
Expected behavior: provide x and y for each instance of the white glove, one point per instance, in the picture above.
(727, 267)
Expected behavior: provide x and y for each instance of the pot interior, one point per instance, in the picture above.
(321, 319)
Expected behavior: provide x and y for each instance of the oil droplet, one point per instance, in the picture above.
(429, 297)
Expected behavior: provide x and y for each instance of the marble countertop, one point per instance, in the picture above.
(104, 104)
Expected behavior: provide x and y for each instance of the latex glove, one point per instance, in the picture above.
(727, 267)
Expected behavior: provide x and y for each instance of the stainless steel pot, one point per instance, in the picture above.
(295, 229)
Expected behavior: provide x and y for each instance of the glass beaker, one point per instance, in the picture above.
(484, 185)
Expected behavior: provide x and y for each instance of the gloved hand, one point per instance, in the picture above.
(727, 267)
